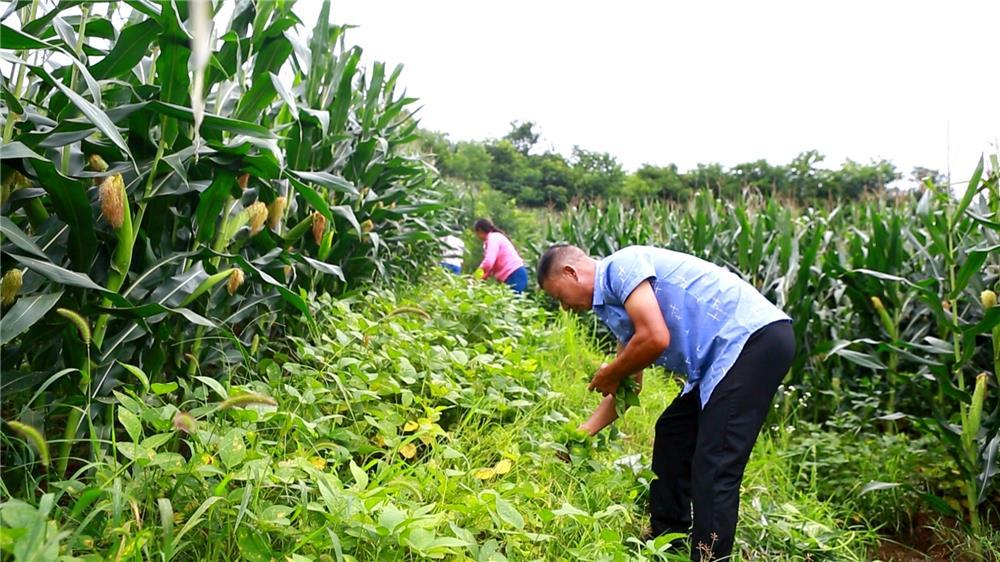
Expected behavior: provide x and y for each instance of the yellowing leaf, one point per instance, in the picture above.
(484, 474)
(503, 467)
(318, 463)
(411, 426)
(408, 451)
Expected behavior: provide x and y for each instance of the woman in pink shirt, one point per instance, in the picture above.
(500, 259)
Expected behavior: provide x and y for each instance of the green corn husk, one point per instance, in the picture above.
(299, 230)
(207, 284)
(10, 286)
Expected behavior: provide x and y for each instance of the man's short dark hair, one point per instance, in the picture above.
(553, 258)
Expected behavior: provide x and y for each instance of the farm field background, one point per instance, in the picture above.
(225, 335)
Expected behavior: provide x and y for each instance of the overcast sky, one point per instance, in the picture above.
(706, 81)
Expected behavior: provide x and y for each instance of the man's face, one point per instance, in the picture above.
(570, 288)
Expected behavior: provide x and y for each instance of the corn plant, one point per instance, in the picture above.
(174, 187)
(894, 315)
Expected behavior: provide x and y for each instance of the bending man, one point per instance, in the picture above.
(699, 320)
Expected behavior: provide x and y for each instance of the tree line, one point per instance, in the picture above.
(515, 166)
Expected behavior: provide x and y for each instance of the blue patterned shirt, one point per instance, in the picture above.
(709, 311)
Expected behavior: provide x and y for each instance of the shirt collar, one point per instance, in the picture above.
(599, 275)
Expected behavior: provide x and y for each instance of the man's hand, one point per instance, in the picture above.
(604, 381)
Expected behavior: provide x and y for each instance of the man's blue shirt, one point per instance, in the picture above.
(710, 312)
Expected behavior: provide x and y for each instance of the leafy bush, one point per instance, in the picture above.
(428, 424)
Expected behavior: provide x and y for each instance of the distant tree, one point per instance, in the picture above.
(920, 174)
(599, 174)
(470, 162)
(522, 135)
(803, 175)
(656, 181)
(711, 177)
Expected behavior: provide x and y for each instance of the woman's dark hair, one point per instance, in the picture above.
(484, 225)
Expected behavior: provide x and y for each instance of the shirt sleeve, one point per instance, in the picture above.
(492, 248)
(627, 273)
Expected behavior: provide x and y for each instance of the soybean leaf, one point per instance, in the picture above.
(25, 312)
(137, 373)
(509, 514)
(19, 238)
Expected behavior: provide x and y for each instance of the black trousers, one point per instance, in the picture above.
(699, 454)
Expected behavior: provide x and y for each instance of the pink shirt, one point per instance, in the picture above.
(500, 259)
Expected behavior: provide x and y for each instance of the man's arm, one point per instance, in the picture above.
(650, 339)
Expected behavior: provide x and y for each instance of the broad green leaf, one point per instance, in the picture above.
(232, 449)
(970, 191)
(327, 180)
(17, 150)
(131, 423)
(347, 213)
(310, 195)
(212, 121)
(163, 387)
(154, 442)
(15, 235)
(25, 312)
(172, 65)
(69, 198)
(214, 385)
(286, 94)
(509, 514)
(58, 274)
(253, 548)
(89, 110)
(975, 259)
(137, 373)
(129, 49)
(360, 477)
(211, 203)
(15, 40)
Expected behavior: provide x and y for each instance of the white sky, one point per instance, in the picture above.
(701, 81)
